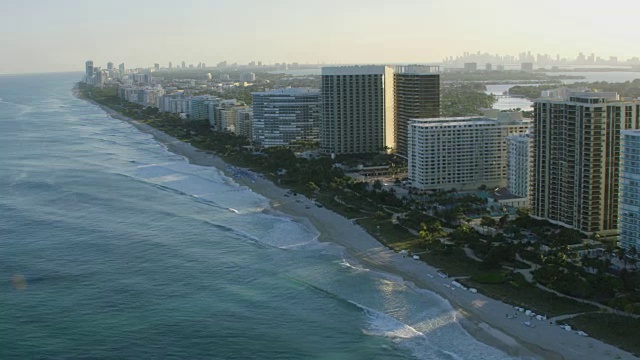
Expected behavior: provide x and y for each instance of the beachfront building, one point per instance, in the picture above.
(244, 122)
(283, 116)
(629, 211)
(417, 96)
(222, 114)
(519, 159)
(576, 159)
(200, 106)
(177, 103)
(357, 109)
(460, 152)
(147, 96)
(88, 72)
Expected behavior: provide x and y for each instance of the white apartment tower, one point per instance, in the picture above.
(461, 152)
(575, 177)
(519, 159)
(629, 211)
(357, 109)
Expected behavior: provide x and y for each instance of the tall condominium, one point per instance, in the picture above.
(629, 210)
(417, 96)
(244, 122)
(88, 66)
(460, 152)
(519, 161)
(577, 155)
(287, 115)
(357, 109)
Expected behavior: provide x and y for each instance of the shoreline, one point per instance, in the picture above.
(480, 316)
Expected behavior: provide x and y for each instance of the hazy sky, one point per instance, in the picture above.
(48, 35)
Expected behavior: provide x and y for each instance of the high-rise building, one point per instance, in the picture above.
(577, 155)
(184, 65)
(248, 77)
(222, 114)
(470, 66)
(461, 152)
(170, 65)
(244, 122)
(156, 67)
(283, 116)
(200, 107)
(629, 210)
(357, 109)
(519, 161)
(526, 66)
(99, 76)
(121, 69)
(88, 68)
(142, 78)
(417, 96)
(110, 66)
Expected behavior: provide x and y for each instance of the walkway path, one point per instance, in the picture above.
(529, 277)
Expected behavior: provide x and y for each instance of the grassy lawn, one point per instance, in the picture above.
(518, 292)
(453, 261)
(328, 200)
(620, 331)
(394, 236)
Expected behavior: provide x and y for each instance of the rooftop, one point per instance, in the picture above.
(289, 91)
(356, 70)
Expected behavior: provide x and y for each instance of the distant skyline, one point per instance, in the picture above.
(47, 36)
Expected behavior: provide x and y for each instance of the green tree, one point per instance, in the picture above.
(431, 232)
(312, 187)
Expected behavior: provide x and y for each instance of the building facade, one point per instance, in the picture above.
(200, 107)
(88, 68)
(244, 122)
(357, 109)
(417, 96)
(519, 162)
(222, 114)
(629, 211)
(283, 116)
(461, 153)
(576, 160)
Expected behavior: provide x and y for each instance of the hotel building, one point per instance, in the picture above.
(575, 177)
(357, 109)
(461, 152)
(417, 96)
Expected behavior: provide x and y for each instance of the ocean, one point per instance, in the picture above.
(112, 247)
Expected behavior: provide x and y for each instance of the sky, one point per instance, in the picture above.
(52, 36)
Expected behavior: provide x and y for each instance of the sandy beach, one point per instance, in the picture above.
(484, 318)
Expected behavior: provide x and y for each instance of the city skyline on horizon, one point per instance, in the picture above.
(62, 34)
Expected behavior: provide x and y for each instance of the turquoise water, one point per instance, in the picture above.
(111, 247)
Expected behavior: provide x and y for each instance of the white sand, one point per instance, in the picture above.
(483, 317)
